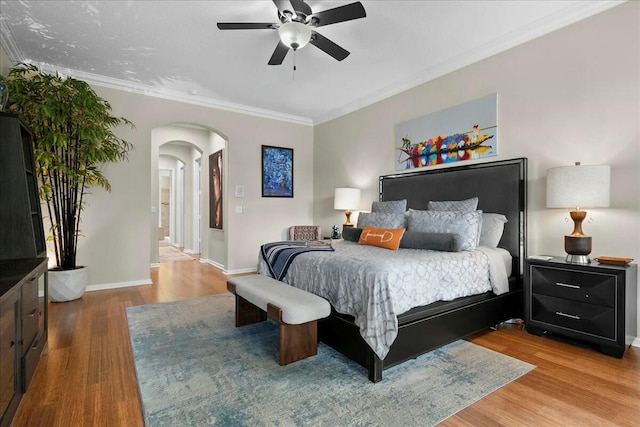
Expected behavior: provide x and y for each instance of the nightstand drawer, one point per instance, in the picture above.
(590, 288)
(576, 316)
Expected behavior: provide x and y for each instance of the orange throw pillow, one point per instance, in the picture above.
(388, 238)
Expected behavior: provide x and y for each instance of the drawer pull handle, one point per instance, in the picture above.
(570, 316)
(566, 285)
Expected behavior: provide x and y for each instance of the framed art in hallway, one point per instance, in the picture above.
(215, 190)
(277, 171)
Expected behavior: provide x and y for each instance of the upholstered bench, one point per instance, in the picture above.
(259, 297)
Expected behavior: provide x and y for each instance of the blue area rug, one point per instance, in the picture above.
(195, 368)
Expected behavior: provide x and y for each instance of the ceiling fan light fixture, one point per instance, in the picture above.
(295, 35)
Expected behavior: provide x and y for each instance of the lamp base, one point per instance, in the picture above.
(348, 223)
(578, 259)
(578, 249)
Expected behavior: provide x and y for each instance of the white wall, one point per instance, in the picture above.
(572, 95)
(114, 244)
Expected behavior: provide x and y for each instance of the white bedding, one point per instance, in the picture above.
(375, 285)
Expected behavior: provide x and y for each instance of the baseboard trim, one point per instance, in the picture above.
(155, 265)
(636, 342)
(241, 271)
(215, 264)
(225, 271)
(106, 286)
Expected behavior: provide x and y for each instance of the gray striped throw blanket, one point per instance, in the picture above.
(279, 255)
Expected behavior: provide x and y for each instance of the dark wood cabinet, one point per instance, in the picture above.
(23, 267)
(592, 303)
(23, 328)
(9, 390)
(21, 229)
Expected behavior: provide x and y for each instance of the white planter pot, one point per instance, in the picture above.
(67, 285)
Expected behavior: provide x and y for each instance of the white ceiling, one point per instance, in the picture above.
(173, 49)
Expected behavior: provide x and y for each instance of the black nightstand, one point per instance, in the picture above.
(592, 303)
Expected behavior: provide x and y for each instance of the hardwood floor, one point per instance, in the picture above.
(87, 377)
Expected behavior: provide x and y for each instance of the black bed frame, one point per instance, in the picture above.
(501, 188)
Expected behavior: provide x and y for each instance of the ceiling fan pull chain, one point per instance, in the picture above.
(294, 65)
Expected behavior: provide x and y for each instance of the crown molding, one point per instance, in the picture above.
(97, 80)
(118, 84)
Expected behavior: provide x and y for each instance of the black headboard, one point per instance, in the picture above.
(501, 187)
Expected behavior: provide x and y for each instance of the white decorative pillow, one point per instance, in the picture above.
(380, 220)
(492, 229)
(389, 206)
(468, 205)
(465, 224)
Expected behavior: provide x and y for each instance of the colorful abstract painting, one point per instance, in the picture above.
(277, 171)
(464, 132)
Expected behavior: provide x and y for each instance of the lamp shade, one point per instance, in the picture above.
(294, 34)
(346, 199)
(578, 186)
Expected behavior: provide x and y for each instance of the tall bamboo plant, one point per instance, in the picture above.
(72, 137)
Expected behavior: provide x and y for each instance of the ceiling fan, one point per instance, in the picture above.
(297, 27)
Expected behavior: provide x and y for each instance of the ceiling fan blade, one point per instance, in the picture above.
(338, 14)
(326, 45)
(284, 5)
(279, 54)
(247, 26)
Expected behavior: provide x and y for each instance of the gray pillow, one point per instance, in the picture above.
(389, 206)
(468, 205)
(351, 234)
(446, 242)
(466, 224)
(381, 220)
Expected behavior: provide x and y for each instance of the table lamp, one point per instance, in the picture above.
(346, 199)
(578, 187)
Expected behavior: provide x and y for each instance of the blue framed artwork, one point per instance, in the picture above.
(464, 132)
(277, 171)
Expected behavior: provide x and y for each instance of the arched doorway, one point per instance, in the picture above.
(185, 149)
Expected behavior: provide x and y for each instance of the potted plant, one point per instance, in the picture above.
(72, 136)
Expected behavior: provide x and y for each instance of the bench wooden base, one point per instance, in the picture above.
(296, 342)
